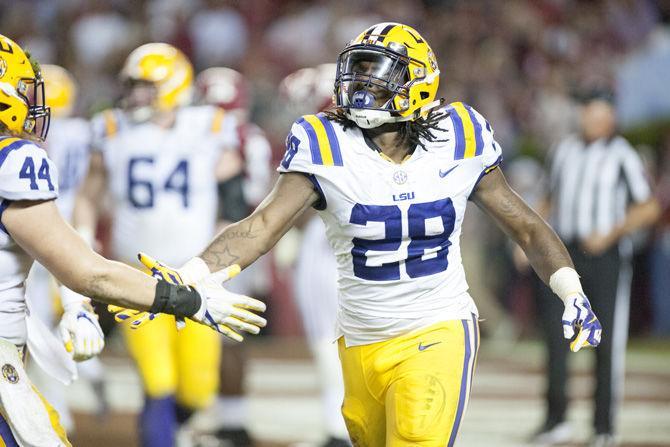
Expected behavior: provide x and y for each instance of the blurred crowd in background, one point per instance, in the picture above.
(522, 63)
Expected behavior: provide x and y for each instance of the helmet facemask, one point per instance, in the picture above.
(31, 91)
(139, 99)
(372, 82)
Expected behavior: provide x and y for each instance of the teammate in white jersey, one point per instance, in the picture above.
(31, 228)
(159, 159)
(391, 171)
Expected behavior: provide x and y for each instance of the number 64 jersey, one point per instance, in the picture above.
(395, 228)
(162, 181)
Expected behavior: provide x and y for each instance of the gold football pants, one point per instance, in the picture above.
(412, 389)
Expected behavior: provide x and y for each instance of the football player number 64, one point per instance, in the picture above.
(426, 253)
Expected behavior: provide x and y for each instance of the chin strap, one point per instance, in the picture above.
(422, 112)
(374, 118)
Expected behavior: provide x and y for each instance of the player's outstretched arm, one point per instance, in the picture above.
(546, 253)
(41, 231)
(245, 241)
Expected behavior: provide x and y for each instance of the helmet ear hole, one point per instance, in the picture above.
(425, 95)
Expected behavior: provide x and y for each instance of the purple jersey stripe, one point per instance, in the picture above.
(313, 141)
(479, 147)
(459, 134)
(332, 139)
(6, 434)
(4, 153)
(464, 386)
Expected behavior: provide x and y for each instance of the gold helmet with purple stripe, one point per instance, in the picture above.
(387, 74)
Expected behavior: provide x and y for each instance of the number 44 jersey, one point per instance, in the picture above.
(395, 228)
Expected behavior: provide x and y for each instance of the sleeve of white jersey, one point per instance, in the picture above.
(26, 173)
(491, 154)
(298, 158)
(103, 126)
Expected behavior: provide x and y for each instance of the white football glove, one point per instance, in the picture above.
(224, 311)
(80, 331)
(579, 316)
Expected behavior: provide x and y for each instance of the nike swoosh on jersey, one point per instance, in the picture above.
(423, 347)
(443, 174)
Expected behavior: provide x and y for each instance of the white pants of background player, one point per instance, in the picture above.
(316, 294)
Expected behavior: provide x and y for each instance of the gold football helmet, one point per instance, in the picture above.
(22, 108)
(61, 90)
(387, 74)
(167, 69)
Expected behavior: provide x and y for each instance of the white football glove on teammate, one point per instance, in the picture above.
(79, 328)
(579, 316)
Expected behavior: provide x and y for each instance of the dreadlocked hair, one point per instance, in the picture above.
(417, 132)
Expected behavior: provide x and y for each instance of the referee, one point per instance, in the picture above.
(598, 196)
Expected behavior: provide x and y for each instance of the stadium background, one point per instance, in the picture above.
(519, 62)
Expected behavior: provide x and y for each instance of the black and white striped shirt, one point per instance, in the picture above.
(592, 185)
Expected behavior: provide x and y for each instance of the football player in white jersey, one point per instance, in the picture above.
(159, 159)
(391, 171)
(31, 228)
(309, 90)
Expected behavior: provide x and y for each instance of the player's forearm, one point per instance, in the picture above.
(545, 251)
(115, 283)
(239, 243)
(245, 241)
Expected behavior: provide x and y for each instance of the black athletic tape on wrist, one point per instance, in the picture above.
(177, 300)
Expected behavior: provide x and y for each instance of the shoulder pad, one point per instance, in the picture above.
(324, 146)
(468, 130)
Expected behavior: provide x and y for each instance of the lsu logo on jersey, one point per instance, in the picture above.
(403, 196)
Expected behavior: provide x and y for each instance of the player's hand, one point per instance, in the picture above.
(81, 332)
(192, 271)
(226, 312)
(578, 316)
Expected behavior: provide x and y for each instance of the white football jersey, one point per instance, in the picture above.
(68, 146)
(162, 181)
(26, 173)
(395, 228)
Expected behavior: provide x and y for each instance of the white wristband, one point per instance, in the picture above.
(565, 282)
(70, 299)
(194, 270)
